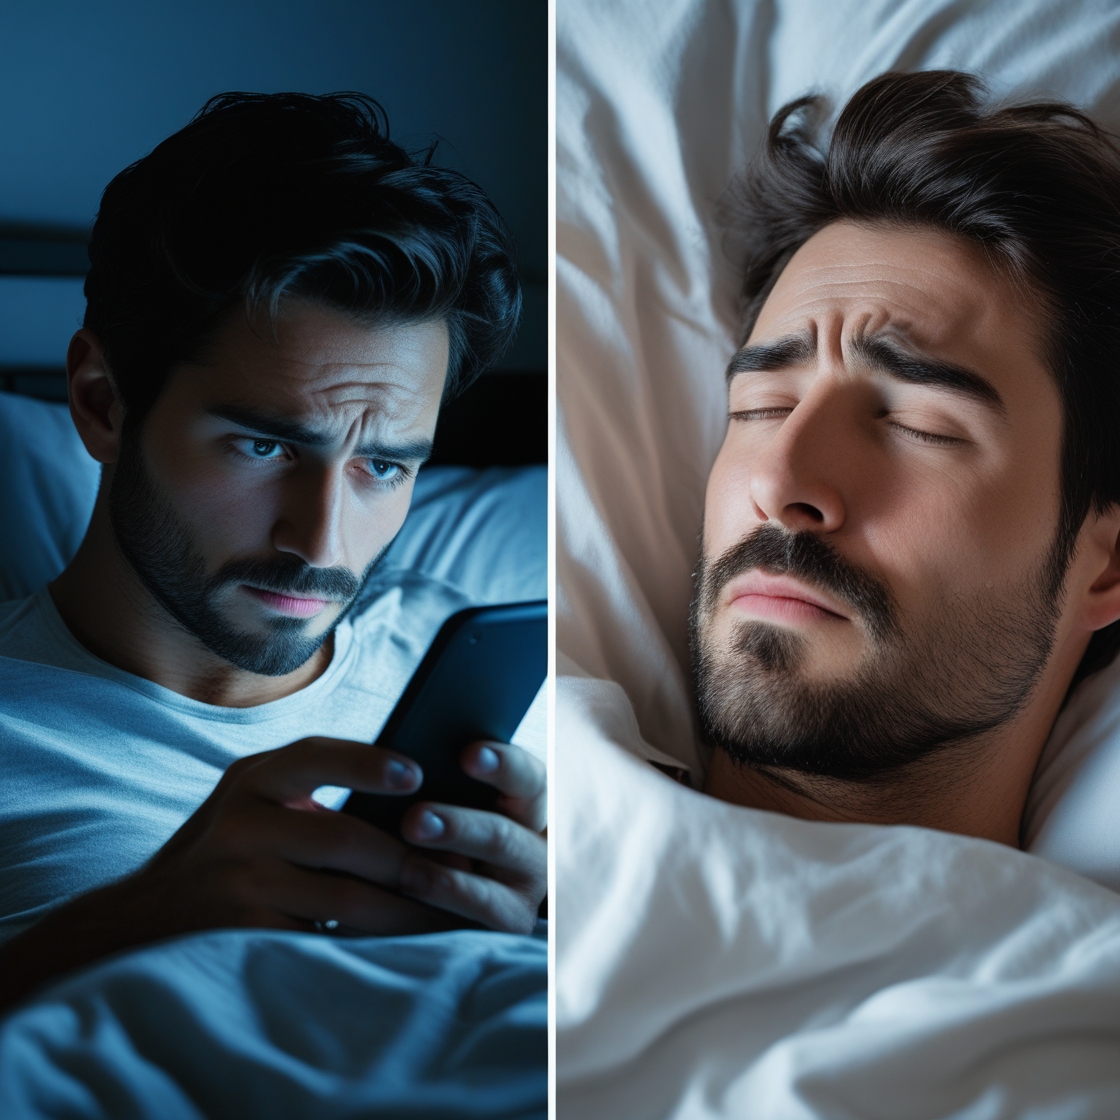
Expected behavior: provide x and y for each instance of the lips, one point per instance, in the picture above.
(297, 606)
(781, 598)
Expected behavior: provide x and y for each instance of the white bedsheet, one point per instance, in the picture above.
(714, 961)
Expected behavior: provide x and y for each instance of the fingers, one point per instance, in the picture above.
(295, 771)
(475, 897)
(519, 776)
(335, 841)
(357, 907)
(514, 858)
(327, 866)
(487, 837)
(509, 769)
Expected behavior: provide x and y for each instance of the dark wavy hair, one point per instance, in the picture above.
(264, 197)
(1036, 185)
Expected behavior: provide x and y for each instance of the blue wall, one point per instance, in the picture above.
(86, 88)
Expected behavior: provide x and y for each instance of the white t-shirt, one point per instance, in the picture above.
(101, 767)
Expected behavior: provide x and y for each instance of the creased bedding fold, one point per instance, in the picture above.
(720, 961)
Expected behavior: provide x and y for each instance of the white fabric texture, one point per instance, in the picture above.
(656, 111)
(712, 960)
(1071, 815)
(48, 484)
(268, 1025)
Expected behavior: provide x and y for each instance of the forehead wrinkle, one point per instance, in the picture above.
(328, 368)
(906, 305)
(375, 393)
(327, 423)
(943, 294)
(372, 407)
(920, 320)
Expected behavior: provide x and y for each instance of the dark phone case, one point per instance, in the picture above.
(476, 681)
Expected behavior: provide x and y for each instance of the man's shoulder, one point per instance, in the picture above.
(31, 632)
(400, 611)
(405, 599)
(394, 621)
(11, 611)
(21, 628)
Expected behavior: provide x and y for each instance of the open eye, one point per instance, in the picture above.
(385, 471)
(260, 449)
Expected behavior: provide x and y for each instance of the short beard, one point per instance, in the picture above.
(161, 550)
(914, 695)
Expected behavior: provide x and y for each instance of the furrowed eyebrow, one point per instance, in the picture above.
(877, 353)
(285, 430)
(882, 355)
(267, 424)
(419, 450)
(767, 356)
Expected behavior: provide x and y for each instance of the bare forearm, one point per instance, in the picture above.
(82, 931)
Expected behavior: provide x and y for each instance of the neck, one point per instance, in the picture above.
(978, 788)
(976, 808)
(111, 612)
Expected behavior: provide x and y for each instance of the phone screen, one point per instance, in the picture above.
(476, 681)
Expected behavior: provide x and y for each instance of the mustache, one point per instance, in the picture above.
(292, 576)
(806, 556)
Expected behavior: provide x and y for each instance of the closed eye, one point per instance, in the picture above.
(913, 433)
(760, 414)
(927, 437)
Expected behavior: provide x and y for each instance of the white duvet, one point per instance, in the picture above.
(717, 961)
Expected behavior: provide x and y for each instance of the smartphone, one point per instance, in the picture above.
(476, 681)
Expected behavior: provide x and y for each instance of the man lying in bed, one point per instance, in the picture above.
(278, 301)
(910, 534)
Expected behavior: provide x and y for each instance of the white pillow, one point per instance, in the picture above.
(483, 531)
(656, 109)
(1071, 815)
(48, 484)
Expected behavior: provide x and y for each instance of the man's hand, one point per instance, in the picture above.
(259, 852)
(492, 867)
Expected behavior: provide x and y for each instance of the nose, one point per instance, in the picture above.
(310, 524)
(796, 480)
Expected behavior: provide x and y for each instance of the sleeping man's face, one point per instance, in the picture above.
(270, 476)
(878, 575)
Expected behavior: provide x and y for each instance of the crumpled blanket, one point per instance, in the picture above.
(265, 1024)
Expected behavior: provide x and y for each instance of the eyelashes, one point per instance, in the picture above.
(382, 473)
(259, 450)
(927, 437)
(760, 414)
(922, 436)
(400, 473)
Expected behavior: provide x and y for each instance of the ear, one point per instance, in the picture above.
(94, 403)
(1102, 548)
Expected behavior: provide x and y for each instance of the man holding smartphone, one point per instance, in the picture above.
(279, 300)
